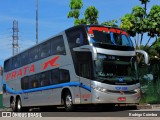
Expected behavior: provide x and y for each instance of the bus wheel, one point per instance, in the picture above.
(68, 103)
(13, 105)
(18, 105)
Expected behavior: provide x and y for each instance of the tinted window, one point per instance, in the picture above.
(57, 45)
(44, 49)
(84, 64)
(34, 81)
(24, 58)
(33, 54)
(126, 41)
(7, 65)
(16, 62)
(45, 79)
(55, 76)
(25, 83)
(64, 76)
(77, 38)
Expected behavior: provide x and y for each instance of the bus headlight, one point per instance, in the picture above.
(101, 89)
(101, 56)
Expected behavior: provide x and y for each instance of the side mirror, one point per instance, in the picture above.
(145, 55)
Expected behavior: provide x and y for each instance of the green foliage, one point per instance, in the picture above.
(138, 11)
(91, 15)
(139, 22)
(80, 21)
(153, 19)
(128, 23)
(135, 22)
(111, 23)
(154, 50)
(75, 6)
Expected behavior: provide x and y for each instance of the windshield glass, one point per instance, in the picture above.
(116, 70)
(109, 36)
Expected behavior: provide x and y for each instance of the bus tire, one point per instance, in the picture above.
(18, 105)
(13, 104)
(68, 102)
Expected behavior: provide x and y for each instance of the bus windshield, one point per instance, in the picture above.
(112, 69)
(110, 38)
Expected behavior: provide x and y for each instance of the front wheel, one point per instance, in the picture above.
(68, 103)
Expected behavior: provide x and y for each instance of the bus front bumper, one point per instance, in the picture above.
(116, 98)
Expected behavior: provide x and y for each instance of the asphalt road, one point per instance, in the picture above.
(91, 113)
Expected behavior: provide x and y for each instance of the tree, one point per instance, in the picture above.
(139, 22)
(111, 23)
(90, 14)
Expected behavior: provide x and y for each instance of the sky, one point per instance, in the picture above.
(52, 19)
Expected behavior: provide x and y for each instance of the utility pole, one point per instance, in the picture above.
(36, 21)
(15, 44)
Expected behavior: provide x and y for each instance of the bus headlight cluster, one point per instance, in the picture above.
(101, 89)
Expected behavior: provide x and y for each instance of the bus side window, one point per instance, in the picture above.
(57, 46)
(16, 62)
(34, 81)
(45, 79)
(55, 76)
(7, 65)
(24, 58)
(44, 49)
(77, 38)
(33, 54)
(64, 76)
(25, 83)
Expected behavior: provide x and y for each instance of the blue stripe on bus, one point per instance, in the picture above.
(48, 87)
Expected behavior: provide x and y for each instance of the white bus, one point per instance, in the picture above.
(85, 64)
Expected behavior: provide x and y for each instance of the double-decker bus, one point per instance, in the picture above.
(85, 64)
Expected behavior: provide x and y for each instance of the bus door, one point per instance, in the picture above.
(84, 71)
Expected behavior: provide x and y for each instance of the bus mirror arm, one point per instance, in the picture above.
(145, 55)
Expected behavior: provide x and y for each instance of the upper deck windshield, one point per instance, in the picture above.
(110, 38)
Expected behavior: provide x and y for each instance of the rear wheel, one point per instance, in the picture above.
(13, 105)
(18, 105)
(68, 103)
